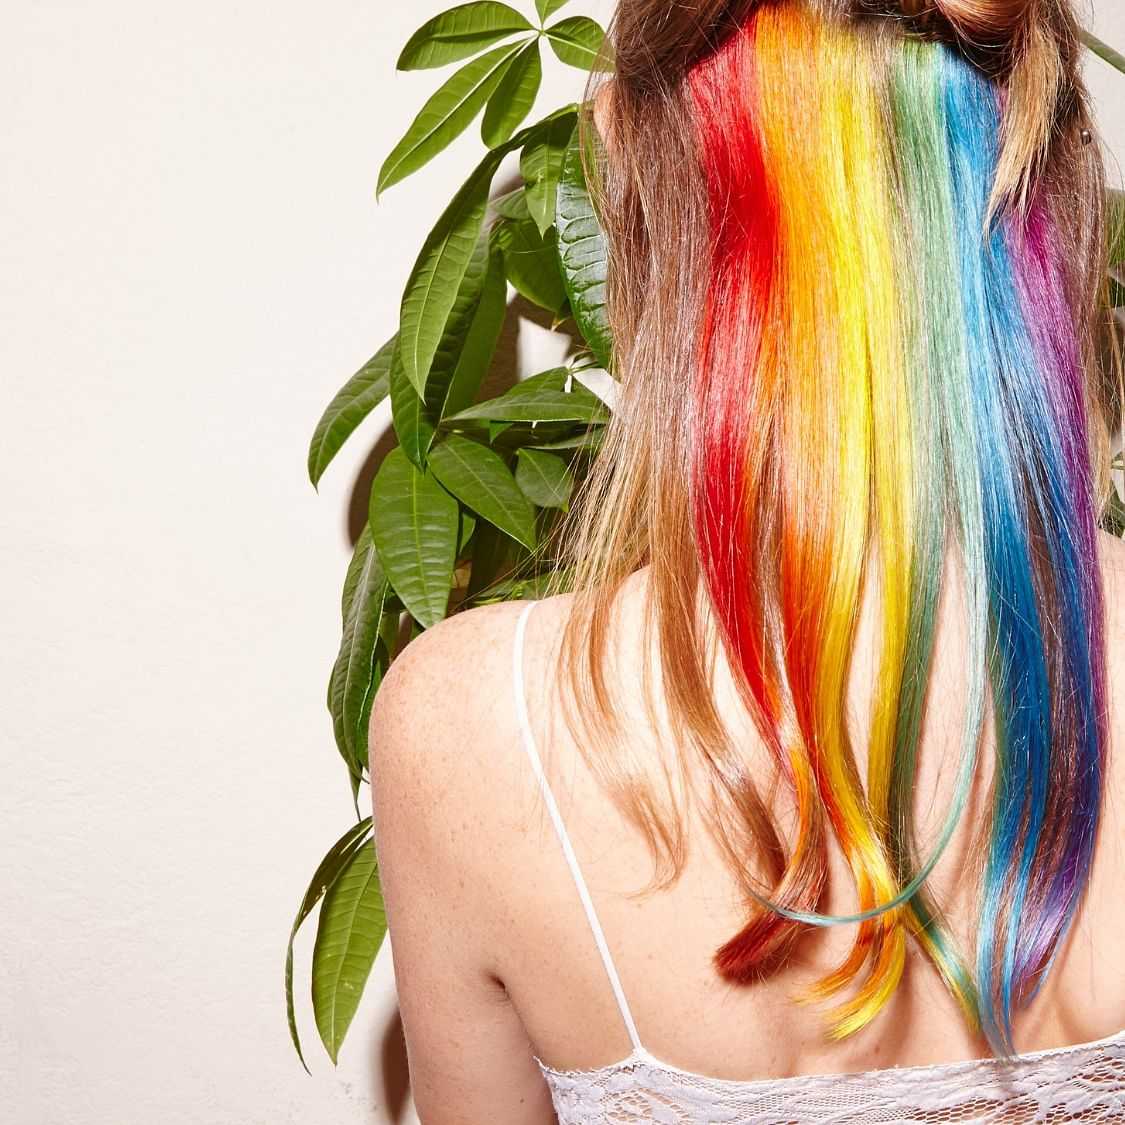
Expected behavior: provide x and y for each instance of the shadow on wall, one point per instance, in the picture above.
(392, 1072)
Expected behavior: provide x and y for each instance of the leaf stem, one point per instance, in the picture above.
(1104, 51)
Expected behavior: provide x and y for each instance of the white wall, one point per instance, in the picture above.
(1106, 18)
(192, 261)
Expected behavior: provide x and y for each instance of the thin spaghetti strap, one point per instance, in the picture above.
(560, 828)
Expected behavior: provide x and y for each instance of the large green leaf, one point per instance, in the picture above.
(553, 396)
(355, 400)
(531, 262)
(413, 422)
(414, 523)
(577, 41)
(325, 875)
(547, 8)
(511, 205)
(352, 581)
(350, 930)
(545, 479)
(1104, 51)
(582, 254)
(460, 32)
(415, 419)
(447, 114)
(479, 478)
(437, 274)
(454, 339)
(513, 98)
(336, 710)
(480, 340)
(337, 726)
(354, 575)
(541, 165)
(356, 676)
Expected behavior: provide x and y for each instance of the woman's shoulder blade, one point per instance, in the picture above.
(443, 735)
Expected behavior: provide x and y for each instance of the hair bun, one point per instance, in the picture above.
(1033, 47)
(990, 20)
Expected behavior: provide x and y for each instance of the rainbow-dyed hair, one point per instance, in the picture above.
(889, 373)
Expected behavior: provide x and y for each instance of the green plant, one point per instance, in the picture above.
(461, 509)
(460, 513)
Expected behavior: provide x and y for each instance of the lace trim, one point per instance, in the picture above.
(641, 1055)
(1079, 1082)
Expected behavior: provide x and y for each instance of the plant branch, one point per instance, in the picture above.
(1104, 51)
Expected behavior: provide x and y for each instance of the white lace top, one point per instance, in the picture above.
(1072, 1084)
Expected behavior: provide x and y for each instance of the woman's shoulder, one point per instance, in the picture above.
(444, 737)
(451, 672)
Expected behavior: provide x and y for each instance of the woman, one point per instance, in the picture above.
(823, 726)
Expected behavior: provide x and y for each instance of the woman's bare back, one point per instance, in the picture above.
(544, 953)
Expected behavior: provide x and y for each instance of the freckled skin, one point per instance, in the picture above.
(494, 957)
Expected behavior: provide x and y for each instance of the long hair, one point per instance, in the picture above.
(856, 281)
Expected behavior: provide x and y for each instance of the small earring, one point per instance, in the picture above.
(1086, 136)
